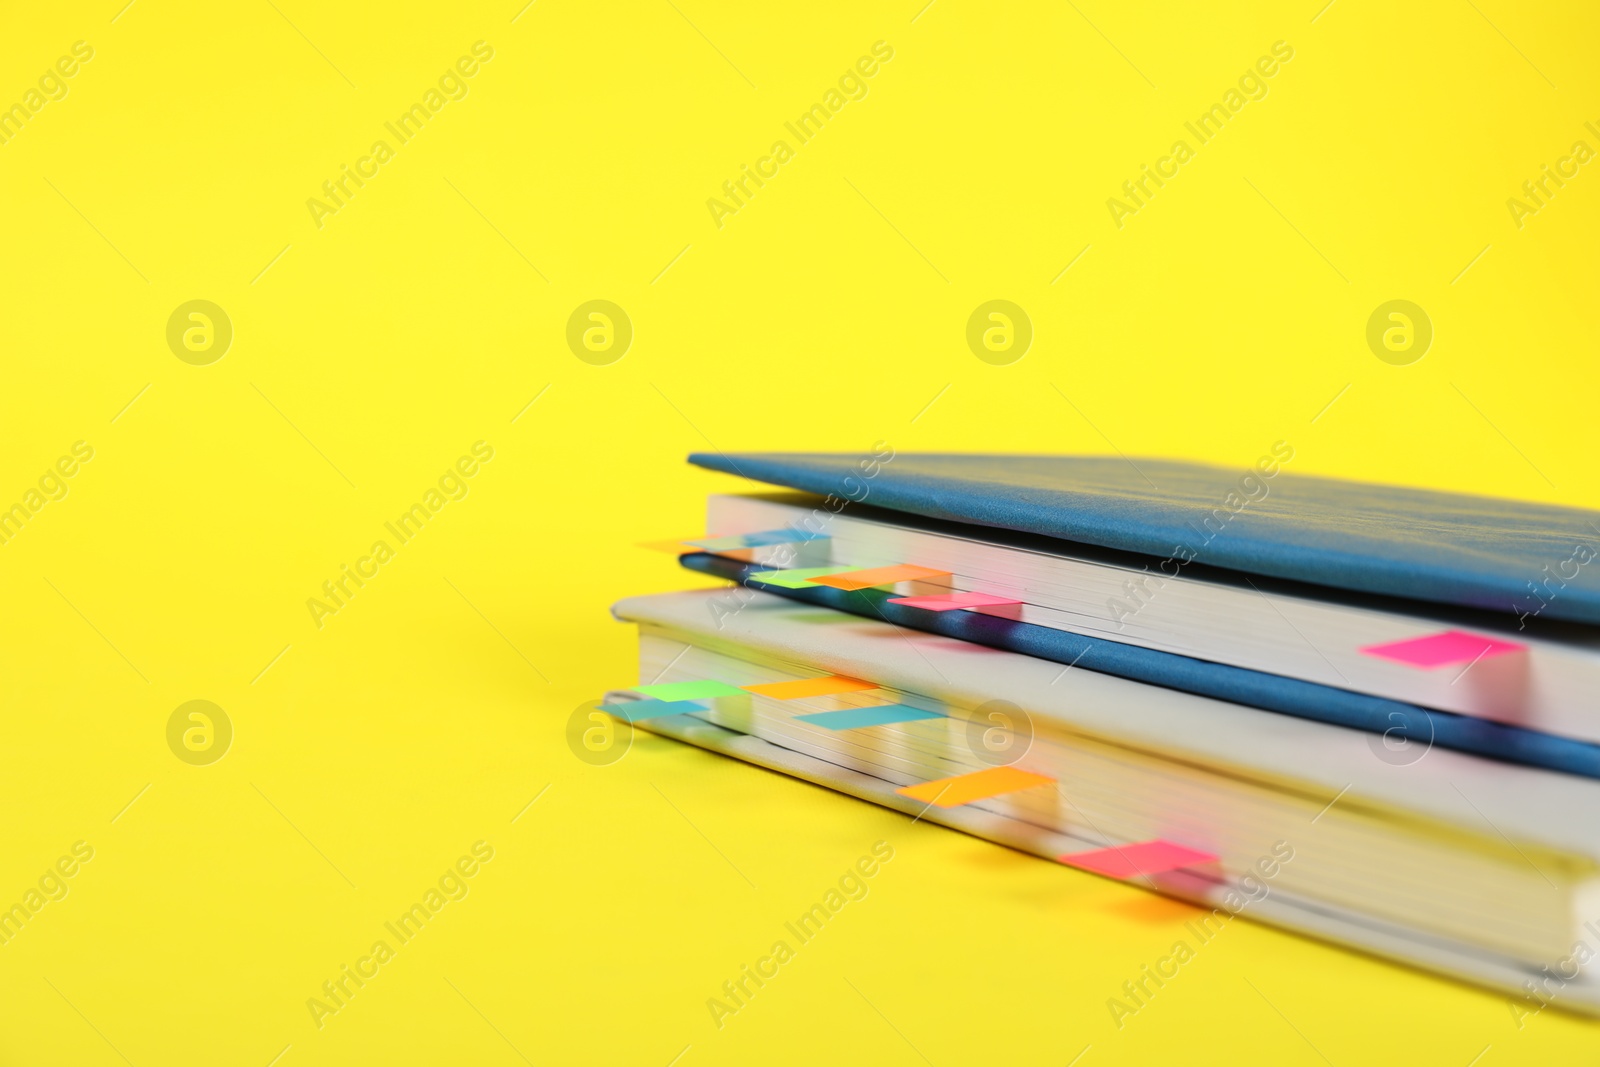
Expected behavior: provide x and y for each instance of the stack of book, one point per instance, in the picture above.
(1359, 712)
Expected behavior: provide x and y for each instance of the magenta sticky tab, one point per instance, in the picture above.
(952, 601)
(1442, 650)
(1143, 857)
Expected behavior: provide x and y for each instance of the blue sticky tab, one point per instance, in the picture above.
(634, 710)
(720, 544)
(855, 718)
(781, 537)
(760, 539)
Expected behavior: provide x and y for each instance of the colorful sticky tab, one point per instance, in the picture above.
(979, 785)
(760, 539)
(952, 601)
(690, 690)
(810, 687)
(1143, 857)
(782, 537)
(796, 578)
(856, 718)
(635, 710)
(872, 576)
(720, 544)
(1441, 650)
(677, 548)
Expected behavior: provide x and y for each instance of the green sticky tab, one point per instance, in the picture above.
(690, 690)
(797, 579)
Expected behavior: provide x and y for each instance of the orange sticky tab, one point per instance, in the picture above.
(810, 687)
(900, 572)
(979, 785)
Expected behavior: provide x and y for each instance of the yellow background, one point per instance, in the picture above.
(825, 315)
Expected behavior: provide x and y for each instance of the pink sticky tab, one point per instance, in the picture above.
(951, 601)
(1440, 650)
(1144, 857)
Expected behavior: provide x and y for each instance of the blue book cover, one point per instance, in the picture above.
(1533, 561)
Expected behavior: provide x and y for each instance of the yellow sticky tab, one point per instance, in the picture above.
(677, 548)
